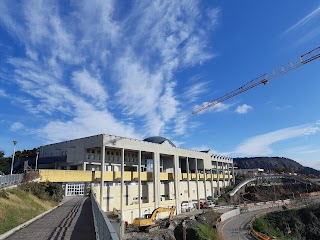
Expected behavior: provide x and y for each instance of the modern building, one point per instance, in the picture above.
(147, 173)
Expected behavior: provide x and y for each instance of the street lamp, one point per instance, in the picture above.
(36, 167)
(13, 155)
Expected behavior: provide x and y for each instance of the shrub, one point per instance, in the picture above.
(4, 194)
(48, 191)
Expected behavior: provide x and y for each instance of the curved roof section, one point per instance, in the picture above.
(158, 140)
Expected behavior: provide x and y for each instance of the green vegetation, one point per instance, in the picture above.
(18, 206)
(46, 191)
(205, 232)
(291, 224)
(4, 162)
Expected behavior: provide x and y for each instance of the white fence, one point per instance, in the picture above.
(230, 214)
(103, 227)
(9, 180)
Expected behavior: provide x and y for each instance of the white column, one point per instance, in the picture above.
(139, 181)
(103, 152)
(233, 176)
(177, 183)
(212, 192)
(205, 183)
(188, 181)
(218, 177)
(197, 183)
(156, 179)
(121, 194)
(229, 175)
(223, 175)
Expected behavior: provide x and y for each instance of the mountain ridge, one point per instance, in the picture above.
(274, 164)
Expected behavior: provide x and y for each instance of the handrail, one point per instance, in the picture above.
(103, 227)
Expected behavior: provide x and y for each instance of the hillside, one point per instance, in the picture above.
(292, 224)
(18, 206)
(274, 164)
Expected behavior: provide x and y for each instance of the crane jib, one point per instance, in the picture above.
(264, 79)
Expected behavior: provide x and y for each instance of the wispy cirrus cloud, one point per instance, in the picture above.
(310, 26)
(304, 20)
(87, 67)
(262, 145)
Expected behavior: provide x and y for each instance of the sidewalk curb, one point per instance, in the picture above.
(13, 230)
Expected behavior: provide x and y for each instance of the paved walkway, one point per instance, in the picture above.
(72, 220)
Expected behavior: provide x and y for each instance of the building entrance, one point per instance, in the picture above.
(73, 189)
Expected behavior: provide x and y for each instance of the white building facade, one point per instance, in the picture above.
(147, 173)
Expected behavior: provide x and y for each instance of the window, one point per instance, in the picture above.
(88, 150)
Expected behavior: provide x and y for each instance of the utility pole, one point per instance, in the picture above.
(13, 155)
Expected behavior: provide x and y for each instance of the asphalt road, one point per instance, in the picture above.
(237, 228)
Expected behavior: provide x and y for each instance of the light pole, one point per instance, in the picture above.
(36, 167)
(13, 155)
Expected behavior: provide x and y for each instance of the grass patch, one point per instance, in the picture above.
(206, 232)
(18, 206)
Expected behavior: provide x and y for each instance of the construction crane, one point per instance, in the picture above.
(264, 79)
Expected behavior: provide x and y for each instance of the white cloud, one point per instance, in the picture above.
(16, 126)
(306, 29)
(243, 109)
(261, 145)
(304, 20)
(92, 123)
(90, 86)
(3, 93)
(193, 92)
(131, 68)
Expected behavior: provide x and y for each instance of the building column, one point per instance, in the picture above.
(103, 153)
(233, 176)
(156, 179)
(177, 183)
(139, 182)
(218, 177)
(229, 175)
(205, 183)
(188, 181)
(121, 194)
(197, 183)
(223, 175)
(212, 192)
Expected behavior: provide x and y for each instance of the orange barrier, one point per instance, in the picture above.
(258, 235)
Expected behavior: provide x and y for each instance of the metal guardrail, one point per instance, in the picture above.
(103, 227)
(9, 180)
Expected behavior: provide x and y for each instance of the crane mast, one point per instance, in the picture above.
(265, 78)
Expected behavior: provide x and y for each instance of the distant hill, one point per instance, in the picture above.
(274, 164)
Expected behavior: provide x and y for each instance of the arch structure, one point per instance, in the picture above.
(264, 177)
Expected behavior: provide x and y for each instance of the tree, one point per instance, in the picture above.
(5, 162)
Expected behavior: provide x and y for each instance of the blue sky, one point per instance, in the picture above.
(72, 69)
